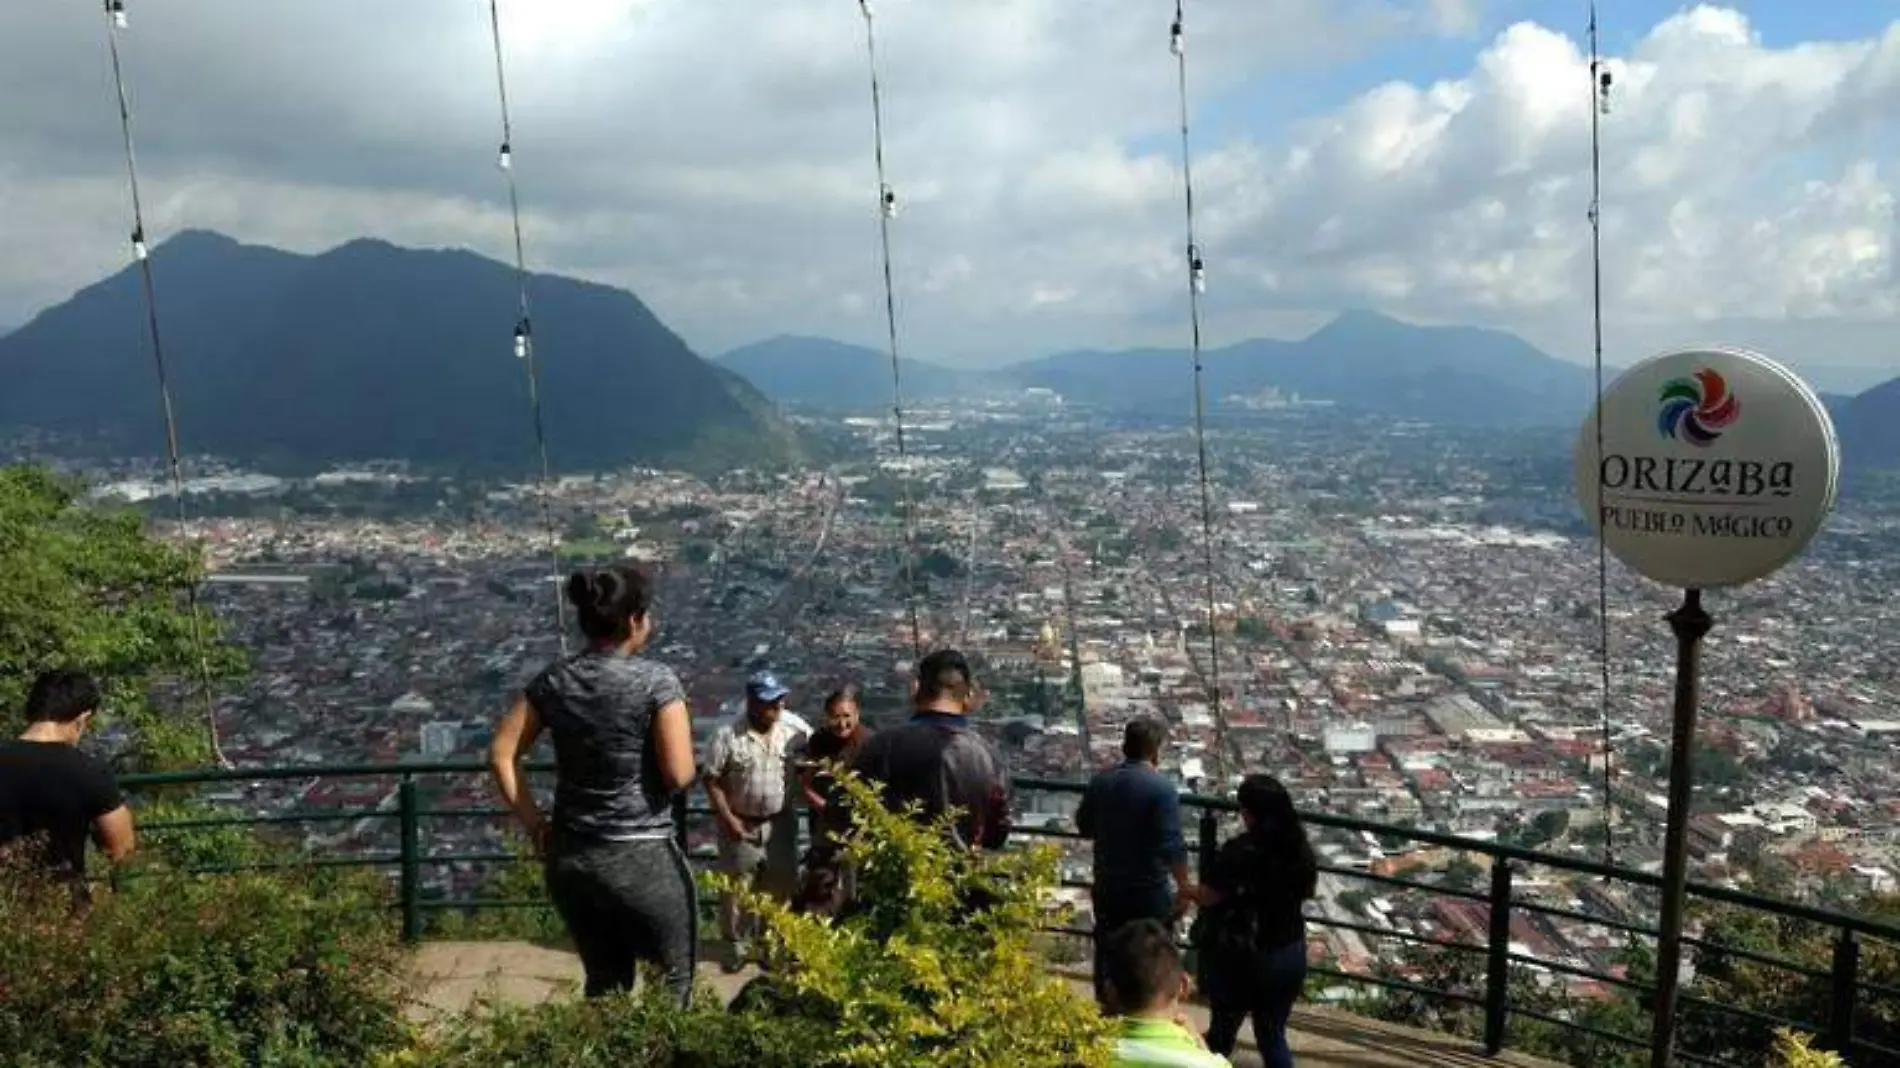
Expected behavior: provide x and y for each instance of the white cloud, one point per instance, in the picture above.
(716, 158)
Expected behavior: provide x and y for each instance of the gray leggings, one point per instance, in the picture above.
(623, 903)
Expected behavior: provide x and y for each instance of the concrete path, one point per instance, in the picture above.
(451, 977)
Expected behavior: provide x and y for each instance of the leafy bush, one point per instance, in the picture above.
(1792, 1051)
(939, 966)
(253, 970)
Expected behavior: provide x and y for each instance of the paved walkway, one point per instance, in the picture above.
(453, 976)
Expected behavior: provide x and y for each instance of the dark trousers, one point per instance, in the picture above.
(1264, 985)
(1115, 909)
(624, 903)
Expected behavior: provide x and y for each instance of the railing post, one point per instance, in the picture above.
(1842, 983)
(1497, 974)
(409, 812)
(1209, 833)
(679, 819)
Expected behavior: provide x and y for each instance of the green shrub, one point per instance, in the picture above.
(1792, 1051)
(646, 1030)
(258, 970)
(941, 967)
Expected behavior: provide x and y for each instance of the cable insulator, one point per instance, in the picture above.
(116, 9)
(889, 201)
(1604, 82)
(869, 11)
(521, 340)
(507, 158)
(1177, 41)
(1197, 271)
(138, 245)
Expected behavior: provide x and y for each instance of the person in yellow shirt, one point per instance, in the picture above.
(1144, 980)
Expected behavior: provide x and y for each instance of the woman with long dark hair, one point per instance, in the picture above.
(623, 747)
(1253, 934)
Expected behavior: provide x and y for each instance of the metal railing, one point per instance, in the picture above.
(1848, 994)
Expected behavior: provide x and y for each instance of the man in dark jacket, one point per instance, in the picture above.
(1132, 813)
(937, 761)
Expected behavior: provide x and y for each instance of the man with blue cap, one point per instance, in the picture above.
(748, 778)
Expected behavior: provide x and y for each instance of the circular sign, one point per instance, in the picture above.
(1717, 467)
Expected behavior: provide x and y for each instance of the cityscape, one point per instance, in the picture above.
(1406, 622)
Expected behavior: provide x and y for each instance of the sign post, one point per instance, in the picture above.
(1702, 469)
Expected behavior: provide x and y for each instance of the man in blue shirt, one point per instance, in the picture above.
(1133, 815)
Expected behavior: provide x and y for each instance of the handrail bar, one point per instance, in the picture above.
(1494, 850)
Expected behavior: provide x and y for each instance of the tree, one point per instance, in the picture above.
(1463, 873)
(1549, 826)
(939, 565)
(1726, 978)
(1355, 901)
(86, 587)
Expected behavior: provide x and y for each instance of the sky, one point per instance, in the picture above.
(1425, 158)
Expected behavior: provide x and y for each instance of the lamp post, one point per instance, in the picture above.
(1701, 469)
(1690, 622)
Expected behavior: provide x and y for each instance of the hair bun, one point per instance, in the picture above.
(580, 589)
(606, 591)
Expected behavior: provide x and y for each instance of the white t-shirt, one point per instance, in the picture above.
(754, 768)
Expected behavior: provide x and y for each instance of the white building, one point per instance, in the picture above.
(1003, 480)
(1351, 738)
(440, 739)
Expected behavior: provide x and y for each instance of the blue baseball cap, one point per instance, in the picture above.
(765, 686)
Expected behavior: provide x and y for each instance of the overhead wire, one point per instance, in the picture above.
(1600, 82)
(887, 211)
(1197, 284)
(116, 23)
(525, 349)
(969, 580)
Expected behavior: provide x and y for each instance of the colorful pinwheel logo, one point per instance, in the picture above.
(1696, 409)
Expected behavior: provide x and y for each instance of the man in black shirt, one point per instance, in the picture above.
(52, 795)
(937, 761)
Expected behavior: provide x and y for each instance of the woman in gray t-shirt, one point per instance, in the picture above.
(623, 748)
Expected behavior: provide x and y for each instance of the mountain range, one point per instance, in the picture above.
(820, 371)
(370, 351)
(1361, 361)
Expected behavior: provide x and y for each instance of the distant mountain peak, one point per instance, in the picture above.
(374, 351)
(376, 244)
(1361, 322)
(1365, 316)
(199, 241)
